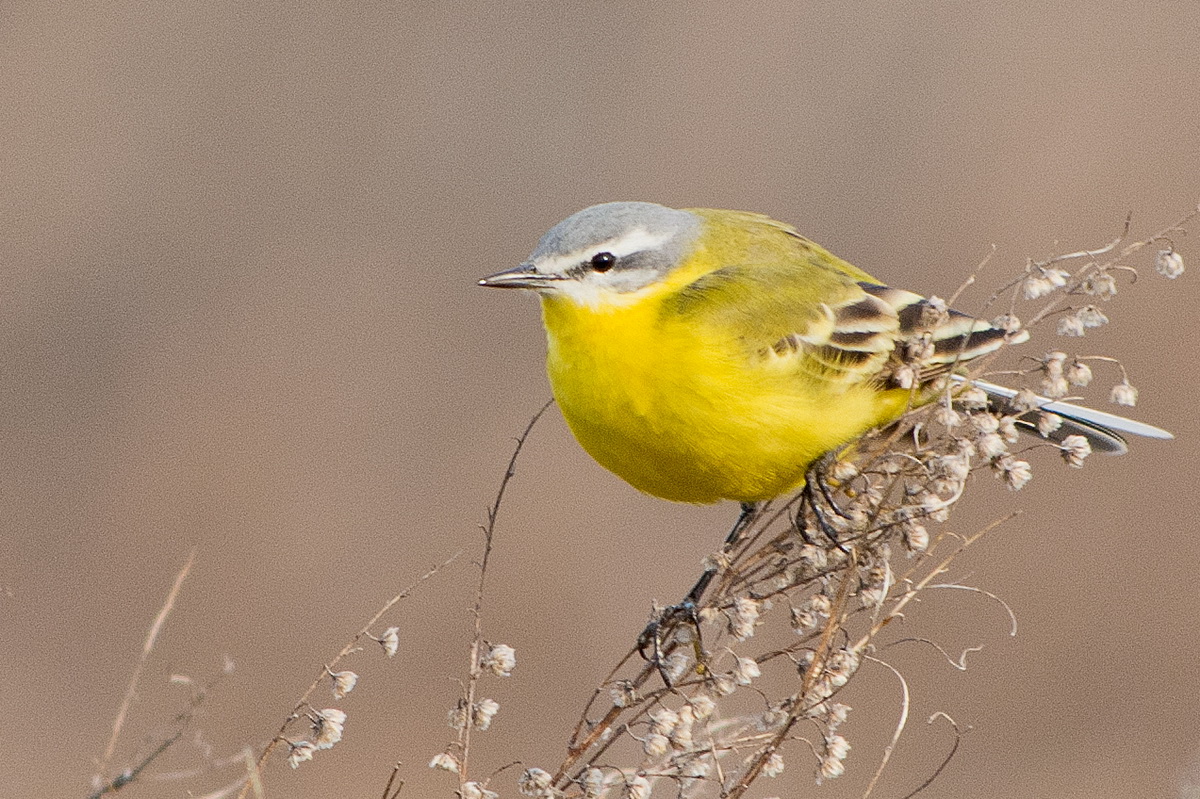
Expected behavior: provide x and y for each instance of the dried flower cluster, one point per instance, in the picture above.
(327, 725)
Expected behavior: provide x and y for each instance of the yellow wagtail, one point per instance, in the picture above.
(704, 354)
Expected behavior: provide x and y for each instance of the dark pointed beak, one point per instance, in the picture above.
(523, 277)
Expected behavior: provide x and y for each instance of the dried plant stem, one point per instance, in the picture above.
(489, 530)
(131, 690)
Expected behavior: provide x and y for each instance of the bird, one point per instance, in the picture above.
(705, 355)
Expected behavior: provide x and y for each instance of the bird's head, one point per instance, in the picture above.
(606, 255)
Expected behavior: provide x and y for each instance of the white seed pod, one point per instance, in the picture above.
(1079, 374)
(445, 762)
(743, 615)
(1035, 286)
(1168, 263)
(985, 422)
(1008, 322)
(973, 399)
(484, 711)
(991, 445)
(746, 671)
(843, 471)
(592, 783)
(328, 726)
(390, 641)
(536, 782)
(636, 787)
(301, 751)
(774, 765)
(1070, 326)
(1025, 400)
(681, 736)
(1055, 386)
(656, 745)
(1074, 449)
(837, 746)
(475, 790)
(702, 706)
(343, 683)
(1091, 316)
(1015, 473)
(1123, 394)
(831, 768)
(724, 684)
(676, 665)
(946, 416)
(1048, 422)
(841, 666)
(663, 720)
(500, 660)
(1100, 284)
(836, 715)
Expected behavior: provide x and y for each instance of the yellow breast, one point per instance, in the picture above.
(680, 413)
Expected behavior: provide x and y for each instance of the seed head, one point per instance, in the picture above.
(973, 399)
(1169, 263)
(1091, 316)
(445, 761)
(1048, 422)
(1074, 449)
(746, 671)
(1079, 374)
(484, 711)
(636, 787)
(536, 782)
(592, 783)
(1015, 473)
(301, 751)
(702, 706)
(663, 720)
(656, 745)
(1100, 284)
(343, 683)
(1123, 394)
(743, 615)
(474, 790)
(774, 765)
(1070, 326)
(1025, 400)
(327, 727)
(500, 659)
(1008, 322)
(390, 641)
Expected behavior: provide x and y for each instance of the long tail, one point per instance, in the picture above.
(1102, 430)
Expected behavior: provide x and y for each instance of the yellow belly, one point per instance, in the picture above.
(688, 418)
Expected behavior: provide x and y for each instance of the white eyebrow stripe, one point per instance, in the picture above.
(635, 240)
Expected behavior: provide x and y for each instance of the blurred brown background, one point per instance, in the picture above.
(239, 244)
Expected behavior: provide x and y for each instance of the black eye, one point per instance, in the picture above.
(603, 261)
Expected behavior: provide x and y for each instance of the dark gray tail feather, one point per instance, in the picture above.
(1102, 430)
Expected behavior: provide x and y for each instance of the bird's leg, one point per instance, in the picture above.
(814, 501)
(731, 540)
(667, 620)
